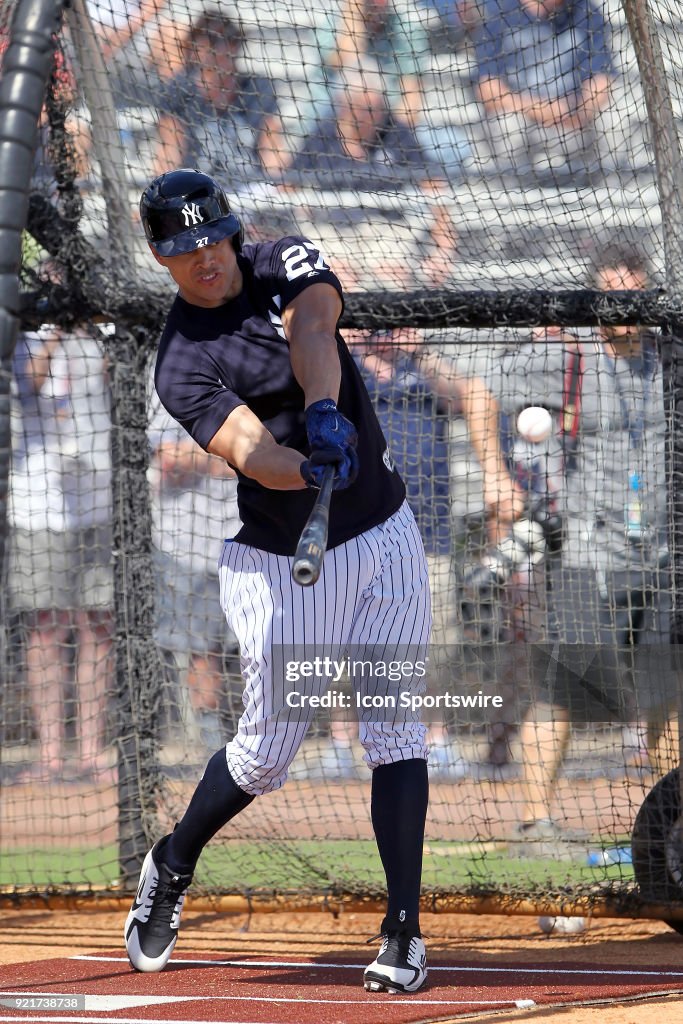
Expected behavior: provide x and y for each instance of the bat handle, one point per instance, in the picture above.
(325, 493)
(313, 542)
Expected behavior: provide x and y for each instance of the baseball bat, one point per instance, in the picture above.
(310, 550)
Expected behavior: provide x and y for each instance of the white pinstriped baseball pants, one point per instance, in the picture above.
(372, 591)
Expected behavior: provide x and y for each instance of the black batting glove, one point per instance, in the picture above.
(332, 439)
(346, 468)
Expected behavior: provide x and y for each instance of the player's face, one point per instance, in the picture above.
(208, 276)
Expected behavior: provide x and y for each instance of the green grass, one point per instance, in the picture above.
(95, 866)
(310, 865)
(450, 865)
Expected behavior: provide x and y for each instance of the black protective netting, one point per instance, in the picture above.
(499, 197)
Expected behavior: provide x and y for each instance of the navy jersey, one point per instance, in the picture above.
(212, 360)
(415, 425)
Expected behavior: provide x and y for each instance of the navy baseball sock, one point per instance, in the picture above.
(400, 794)
(214, 802)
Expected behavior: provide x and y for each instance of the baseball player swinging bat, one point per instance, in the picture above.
(310, 550)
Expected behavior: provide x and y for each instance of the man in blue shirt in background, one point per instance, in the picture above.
(544, 74)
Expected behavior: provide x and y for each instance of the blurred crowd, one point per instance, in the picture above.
(345, 106)
(345, 94)
(420, 99)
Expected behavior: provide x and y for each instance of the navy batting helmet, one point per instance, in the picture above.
(184, 210)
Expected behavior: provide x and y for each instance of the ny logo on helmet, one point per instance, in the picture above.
(192, 214)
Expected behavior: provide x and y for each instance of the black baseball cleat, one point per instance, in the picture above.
(152, 924)
(401, 964)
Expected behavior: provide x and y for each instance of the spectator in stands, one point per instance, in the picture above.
(363, 145)
(449, 23)
(405, 255)
(217, 119)
(122, 30)
(607, 609)
(414, 401)
(194, 503)
(431, 260)
(374, 30)
(391, 38)
(60, 575)
(544, 71)
(119, 20)
(437, 257)
(141, 42)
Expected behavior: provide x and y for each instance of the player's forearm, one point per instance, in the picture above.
(275, 467)
(250, 448)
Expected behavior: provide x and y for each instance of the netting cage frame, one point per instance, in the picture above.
(102, 287)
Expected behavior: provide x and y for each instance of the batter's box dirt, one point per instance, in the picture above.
(321, 990)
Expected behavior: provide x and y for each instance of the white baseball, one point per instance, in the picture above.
(529, 534)
(535, 424)
(562, 925)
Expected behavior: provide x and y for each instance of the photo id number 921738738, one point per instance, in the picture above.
(42, 1002)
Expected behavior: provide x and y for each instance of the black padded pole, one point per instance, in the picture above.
(27, 64)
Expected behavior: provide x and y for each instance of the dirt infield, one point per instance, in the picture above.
(33, 935)
(73, 814)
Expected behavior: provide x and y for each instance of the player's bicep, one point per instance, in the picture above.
(314, 311)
